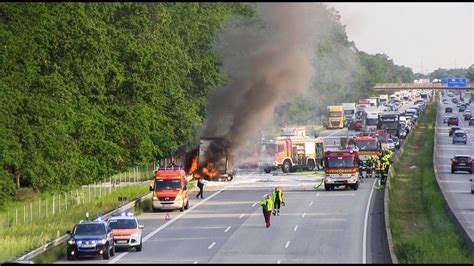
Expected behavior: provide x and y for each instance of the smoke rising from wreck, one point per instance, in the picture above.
(265, 63)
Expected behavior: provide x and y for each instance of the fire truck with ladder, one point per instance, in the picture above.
(291, 153)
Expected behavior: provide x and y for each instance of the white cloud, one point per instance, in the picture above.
(431, 35)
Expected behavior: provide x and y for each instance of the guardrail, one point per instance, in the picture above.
(58, 241)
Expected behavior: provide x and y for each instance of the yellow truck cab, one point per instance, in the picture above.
(335, 116)
(170, 190)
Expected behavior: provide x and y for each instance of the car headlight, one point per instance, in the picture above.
(155, 198)
(71, 241)
(102, 241)
(135, 234)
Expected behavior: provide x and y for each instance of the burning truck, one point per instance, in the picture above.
(212, 160)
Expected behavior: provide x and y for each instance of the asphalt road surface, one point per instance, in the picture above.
(227, 226)
(457, 186)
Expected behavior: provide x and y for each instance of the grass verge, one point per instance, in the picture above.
(17, 239)
(421, 229)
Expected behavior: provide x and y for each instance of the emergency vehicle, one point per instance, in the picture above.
(366, 145)
(291, 154)
(170, 190)
(126, 231)
(341, 169)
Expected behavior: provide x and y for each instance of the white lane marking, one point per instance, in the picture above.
(227, 229)
(303, 215)
(317, 194)
(336, 195)
(195, 262)
(211, 245)
(364, 236)
(242, 215)
(296, 227)
(253, 205)
(311, 203)
(279, 261)
(119, 257)
(287, 244)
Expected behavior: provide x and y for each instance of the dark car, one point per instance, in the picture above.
(90, 239)
(448, 110)
(453, 121)
(455, 100)
(462, 108)
(467, 115)
(461, 163)
(453, 129)
(471, 121)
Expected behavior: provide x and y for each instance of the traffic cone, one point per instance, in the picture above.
(167, 217)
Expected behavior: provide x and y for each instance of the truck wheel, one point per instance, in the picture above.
(267, 170)
(293, 169)
(182, 208)
(112, 251)
(311, 165)
(230, 177)
(286, 167)
(187, 205)
(327, 187)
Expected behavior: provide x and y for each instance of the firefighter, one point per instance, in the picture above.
(369, 166)
(277, 200)
(385, 169)
(362, 167)
(378, 166)
(267, 206)
(389, 156)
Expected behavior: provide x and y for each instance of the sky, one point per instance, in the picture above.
(423, 36)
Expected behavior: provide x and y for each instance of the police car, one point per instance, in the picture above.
(90, 239)
(126, 231)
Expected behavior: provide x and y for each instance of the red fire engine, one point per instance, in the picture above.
(341, 169)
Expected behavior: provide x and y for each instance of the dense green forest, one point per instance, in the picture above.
(89, 89)
(453, 73)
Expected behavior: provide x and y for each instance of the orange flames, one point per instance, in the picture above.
(194, 165)
(207, 171)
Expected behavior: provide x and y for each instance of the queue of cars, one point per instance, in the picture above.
(460, 162)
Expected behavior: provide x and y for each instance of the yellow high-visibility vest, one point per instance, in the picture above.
(268, 203)
(280, 196)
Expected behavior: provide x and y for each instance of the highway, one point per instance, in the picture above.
(456, 187)
(227, 226)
